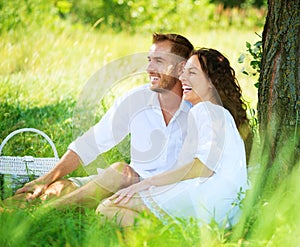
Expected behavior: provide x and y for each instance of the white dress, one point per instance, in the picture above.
(213, 138)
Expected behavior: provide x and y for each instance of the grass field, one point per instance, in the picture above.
(42, 73)
(63, 62)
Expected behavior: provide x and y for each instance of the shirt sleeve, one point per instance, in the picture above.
(108, 132)
(209, 121)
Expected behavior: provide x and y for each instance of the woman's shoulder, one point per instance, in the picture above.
(207, 108)
(210, 112)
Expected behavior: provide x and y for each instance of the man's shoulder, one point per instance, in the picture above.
(140, 89)
(139, 92)
(138, 95)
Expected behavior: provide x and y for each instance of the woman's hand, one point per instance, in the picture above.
(126, 194)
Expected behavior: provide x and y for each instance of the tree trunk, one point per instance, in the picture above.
(278, 92)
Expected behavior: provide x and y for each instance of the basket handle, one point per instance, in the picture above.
(30, 130)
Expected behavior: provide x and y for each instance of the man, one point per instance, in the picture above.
(154, 116)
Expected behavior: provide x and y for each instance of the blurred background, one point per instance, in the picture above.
(50, 49)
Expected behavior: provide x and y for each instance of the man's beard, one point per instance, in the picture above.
(167, 84)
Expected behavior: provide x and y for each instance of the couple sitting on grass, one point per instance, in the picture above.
(187, 152)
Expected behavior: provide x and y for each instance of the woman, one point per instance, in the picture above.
(211, 170)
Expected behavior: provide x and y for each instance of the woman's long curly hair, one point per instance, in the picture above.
(222, 76)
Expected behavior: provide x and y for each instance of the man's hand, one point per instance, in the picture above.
(68, 163)
(58, 188)
(126, 194)
(35, 188)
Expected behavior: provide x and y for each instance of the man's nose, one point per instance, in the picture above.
(149, 67)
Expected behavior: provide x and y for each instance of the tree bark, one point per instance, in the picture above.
(279, 86)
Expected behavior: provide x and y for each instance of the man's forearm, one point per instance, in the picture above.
(68, 163)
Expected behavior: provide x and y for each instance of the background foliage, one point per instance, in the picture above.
(135, 16)
(49, 49)
(240, 3)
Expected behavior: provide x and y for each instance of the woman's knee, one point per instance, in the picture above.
(107, 209)
(122, 214)
(101, 207)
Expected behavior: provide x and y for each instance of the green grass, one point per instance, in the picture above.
(43, 69)
(71, 228)
(273, 219)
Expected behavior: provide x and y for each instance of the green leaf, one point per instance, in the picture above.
(241, 58)
(258, 44)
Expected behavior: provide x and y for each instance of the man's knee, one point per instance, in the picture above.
(127, 174)
(119, 166)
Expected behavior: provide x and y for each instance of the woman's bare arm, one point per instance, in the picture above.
(191, 170)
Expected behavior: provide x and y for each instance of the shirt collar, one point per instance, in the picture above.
(185, 106)
(153, 99)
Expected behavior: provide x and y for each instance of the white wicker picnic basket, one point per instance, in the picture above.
(27, 165)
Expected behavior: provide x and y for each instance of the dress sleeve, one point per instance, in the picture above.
(209, 122)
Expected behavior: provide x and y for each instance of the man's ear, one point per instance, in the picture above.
(180, 67)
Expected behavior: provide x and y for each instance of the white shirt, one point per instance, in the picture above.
(154, 146)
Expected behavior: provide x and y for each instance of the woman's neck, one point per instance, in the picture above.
(212, 97)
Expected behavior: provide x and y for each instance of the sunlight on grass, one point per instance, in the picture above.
(41, 67)
(42, 73)
(270, 211)
(45, 66)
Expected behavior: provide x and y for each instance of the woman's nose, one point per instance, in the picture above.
(182, 76)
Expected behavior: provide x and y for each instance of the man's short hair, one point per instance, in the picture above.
(181, 46)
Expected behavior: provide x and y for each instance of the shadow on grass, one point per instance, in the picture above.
(55, 120)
